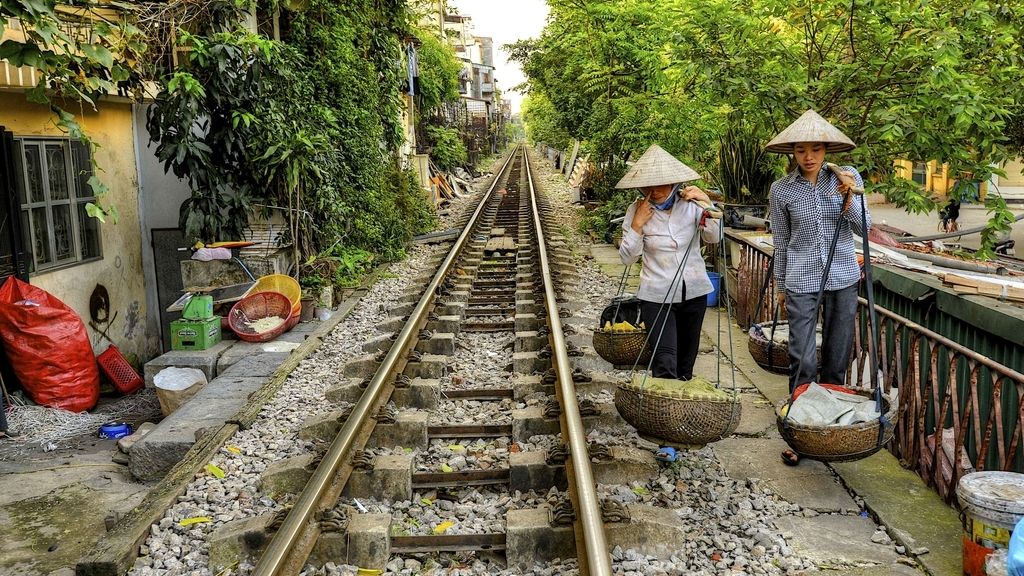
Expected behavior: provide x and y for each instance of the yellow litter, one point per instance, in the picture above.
(443, 527)
(195, 520)
(234, 449)
(215, 470)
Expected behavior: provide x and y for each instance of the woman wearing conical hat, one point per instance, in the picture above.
(808, 206)
(664, 227)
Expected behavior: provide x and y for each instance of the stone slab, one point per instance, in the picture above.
(809, 485)
(758, 415)
(900, 499)
(205, 360)
(835, 540)
(153, 455)
(262, 365)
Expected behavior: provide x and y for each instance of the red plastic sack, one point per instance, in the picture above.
(48, 347)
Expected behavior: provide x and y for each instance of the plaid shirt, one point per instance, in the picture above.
(804, 219)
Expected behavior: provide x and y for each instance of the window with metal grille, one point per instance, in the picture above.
(53, 190)
(920, 173)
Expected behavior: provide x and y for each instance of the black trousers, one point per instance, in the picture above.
(676, 351)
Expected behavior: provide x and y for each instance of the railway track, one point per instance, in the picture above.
(495, 283)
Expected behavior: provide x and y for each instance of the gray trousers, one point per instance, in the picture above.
(839, 311)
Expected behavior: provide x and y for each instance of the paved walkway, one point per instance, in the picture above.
(831, 531)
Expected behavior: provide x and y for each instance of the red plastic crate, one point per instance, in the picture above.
(119, 371)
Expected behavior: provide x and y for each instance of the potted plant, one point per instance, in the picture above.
(312, 285)
(744, 175)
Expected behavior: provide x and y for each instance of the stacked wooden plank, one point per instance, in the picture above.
(1008, 289)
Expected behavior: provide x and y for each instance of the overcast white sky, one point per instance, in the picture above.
(505, 22)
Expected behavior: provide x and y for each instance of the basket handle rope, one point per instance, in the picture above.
(775, 313)
(619, 292)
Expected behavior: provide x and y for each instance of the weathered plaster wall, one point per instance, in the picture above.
(120, 269)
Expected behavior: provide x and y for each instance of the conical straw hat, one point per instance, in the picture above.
(810, 127)
(657, 167)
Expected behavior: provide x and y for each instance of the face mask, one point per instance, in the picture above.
(668, 201)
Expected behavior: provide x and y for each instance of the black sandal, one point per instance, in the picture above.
(9, 435)
(790, 458)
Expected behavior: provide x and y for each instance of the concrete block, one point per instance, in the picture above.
(529, 307)
(199, 274)
(530, 421)
(430, 367)
(422, 394)
(529, 538)
(529, 342)
(650, 531)
(239, 350)
(391, 325)
(404, 309)
(529, 322)
(330, 547)
(369, 541)
(390, 479)
(607, 417)
(125, 444)
(408, 431)
(458, 296)
(155, 454)
(442, 344)
(379, 343)
(239, 540)
(529, 362)
(205, 360)
(288, 476)
(348, 390)
(322, 427)
(451, 308)
(362, 367)
(526, 384)
(628, 464)
(261, 365)
(450, 324)
(530, 471)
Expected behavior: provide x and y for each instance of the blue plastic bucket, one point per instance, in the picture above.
(716, 284)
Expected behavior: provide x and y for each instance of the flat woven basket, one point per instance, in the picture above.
(690, 420)
(757, 344)
(838, 443)
(622, 348)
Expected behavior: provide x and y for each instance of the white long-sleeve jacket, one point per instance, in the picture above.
(663, 243)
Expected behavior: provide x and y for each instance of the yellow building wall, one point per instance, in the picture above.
(1014, 176)
(938, 181)
(120, 269)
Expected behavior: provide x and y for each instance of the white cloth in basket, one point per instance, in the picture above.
(820, 406)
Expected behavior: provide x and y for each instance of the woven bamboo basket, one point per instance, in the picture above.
(838, 443)
(757, 344)
(693, 421)
(622, 348)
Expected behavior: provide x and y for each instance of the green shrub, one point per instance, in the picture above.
(447, 149)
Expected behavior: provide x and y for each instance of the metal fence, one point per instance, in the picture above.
(959, 408)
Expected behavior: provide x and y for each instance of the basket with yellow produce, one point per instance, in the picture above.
(690, 412)
(622, 343)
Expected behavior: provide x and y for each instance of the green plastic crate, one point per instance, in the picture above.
(195, 334)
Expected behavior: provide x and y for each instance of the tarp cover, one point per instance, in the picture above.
(48, 347)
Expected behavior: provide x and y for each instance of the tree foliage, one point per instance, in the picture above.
(904, 79)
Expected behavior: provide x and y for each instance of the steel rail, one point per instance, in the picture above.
(281, 546)
(598, 560)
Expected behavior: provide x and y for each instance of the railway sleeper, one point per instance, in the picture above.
(531, 421)
(421, 393)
